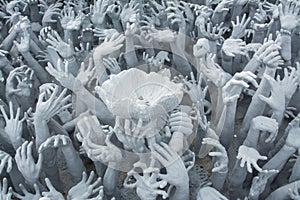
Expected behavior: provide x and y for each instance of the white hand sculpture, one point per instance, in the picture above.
(27, 195)
(221, 163)
(5, 160)
(232, 47)
(26, 164)
(270, 125)
(14, 126)
(85, 188)
(48, 108)
(5, 193)
(55, 142)
(239, 28)
(233, 88)
(249, 156)
(176, 171)
(52, 193)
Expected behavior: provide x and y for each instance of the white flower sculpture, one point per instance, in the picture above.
(137, 95)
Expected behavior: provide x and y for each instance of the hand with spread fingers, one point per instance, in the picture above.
(221, 163)
(26, 163)
(14, 126)
(249, 156)
(52, 193)
(86, 188)
(27, 195)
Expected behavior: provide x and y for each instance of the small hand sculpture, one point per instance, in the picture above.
(239, 28)
(221, 162)
(26, 163)
(5, 160)
(27, 195)
(270, 125)
(52, 193)
(48, 108)
(232, 47)
(85, 188)
(233, 88)
(56, 43)
(98, 12)
(289, 15)
(14, 125)
(249, 156)
(176, 171)
(112, 65)
(55, 142)
(6, 193)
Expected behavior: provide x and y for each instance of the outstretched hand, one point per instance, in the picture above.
(249, 156)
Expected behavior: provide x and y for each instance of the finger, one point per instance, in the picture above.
(249, 168)
(4, 113)
(11, 111)
(91, 177)
(138, 127)
(49, 184)
(29, 150)
(255, 165)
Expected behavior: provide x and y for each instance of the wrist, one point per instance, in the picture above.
(285, 31)
(287, 148)
(257, 59)
(70, 59)
(39, 120)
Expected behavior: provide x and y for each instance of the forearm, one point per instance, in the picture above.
(252, 138)
(7, 43)
(258, 36)
(56, 127)
(282, 192)
(252, 65)
(100, 70)
(36, 40)
(227, 63)
(237, 10)
(180, 60)
(218, 179)
(34, 48)
(218, 17)
(130, 54)
(110, 180)
(237, 178)
(94, 104)
(278, 161)
(16, 177)
(295, 175)
(278, 115)
(7, 68)
(73, 65)
(16, 142)
(68, 35)
(181, 192)
(226, 124)
(181, 36)
(38, 69)
(74, 163)
(117, 25)
(257, 106)
(41, 131)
